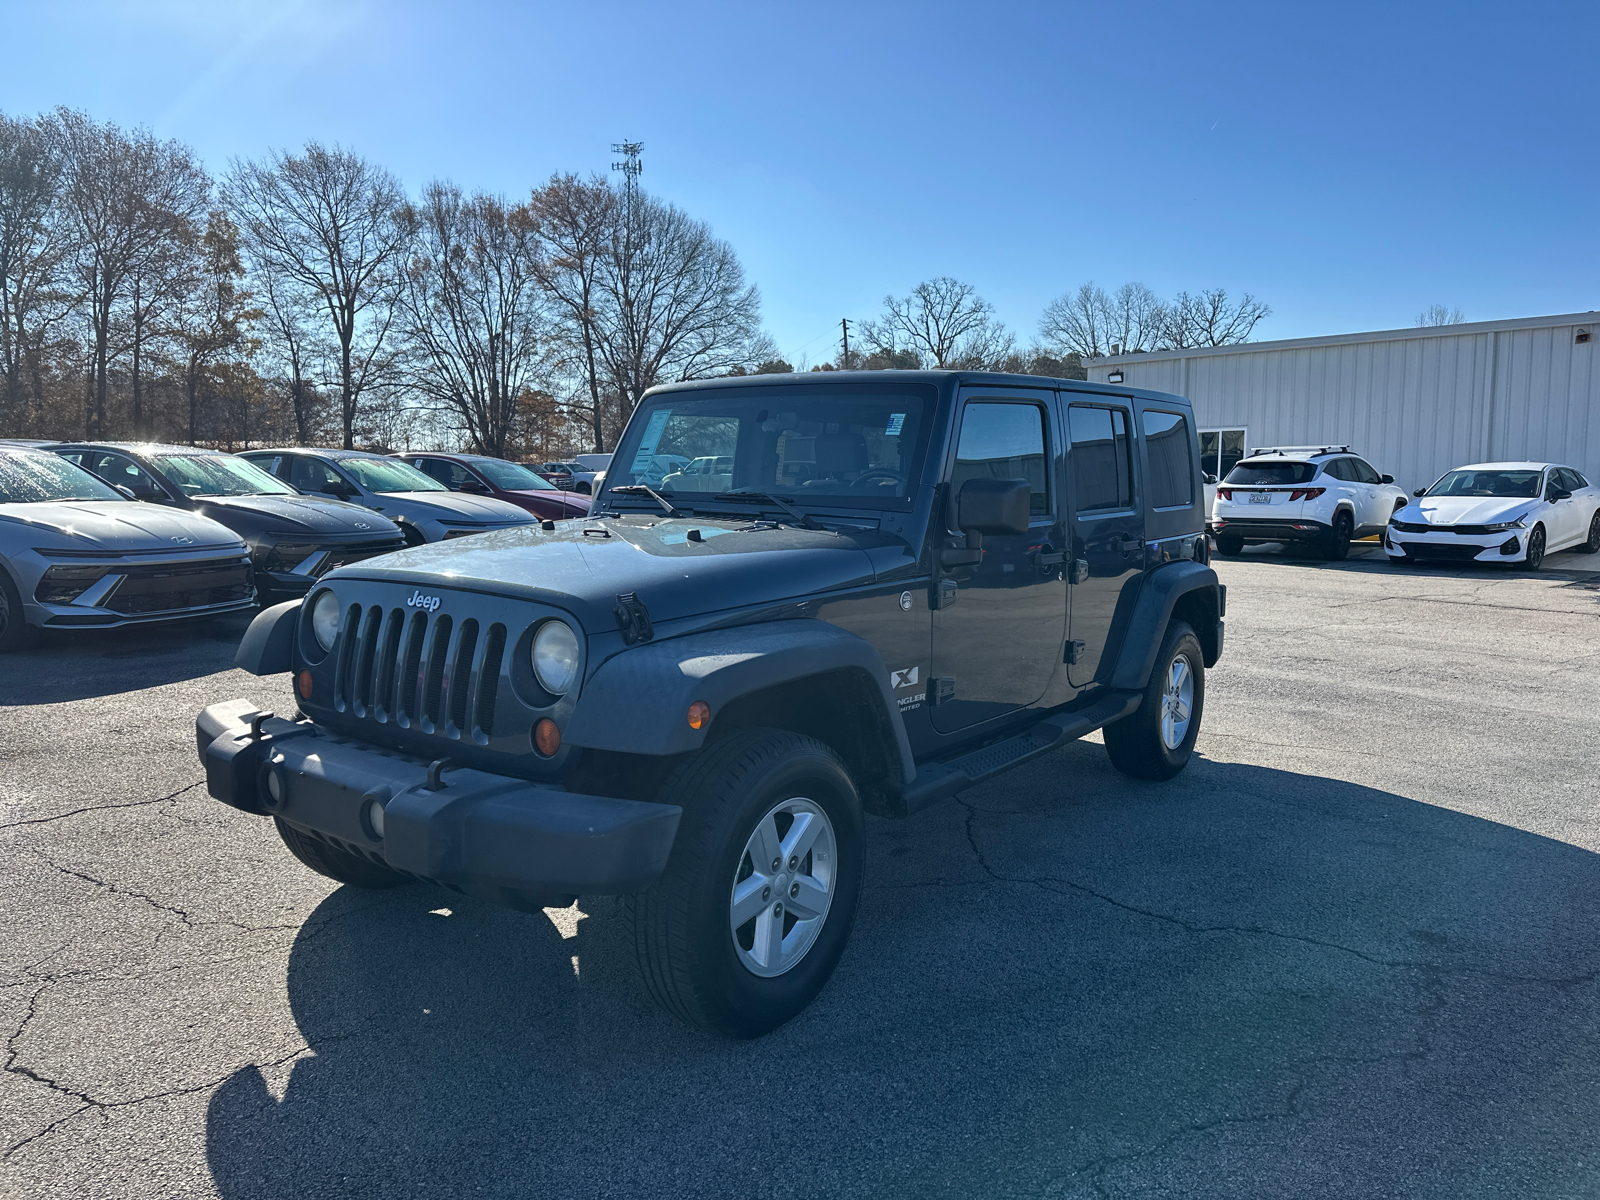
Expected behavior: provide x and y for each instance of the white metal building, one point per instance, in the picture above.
(1415, 402)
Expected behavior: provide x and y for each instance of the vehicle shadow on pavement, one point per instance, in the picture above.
(1243, 982)
(65, 665)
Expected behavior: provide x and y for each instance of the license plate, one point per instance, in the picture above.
(1260, 497)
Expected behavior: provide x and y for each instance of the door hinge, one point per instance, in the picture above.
(941, 690)
(1078, 572)
(1074, 652)
(945, 593)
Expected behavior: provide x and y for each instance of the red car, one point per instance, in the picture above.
(484, 476)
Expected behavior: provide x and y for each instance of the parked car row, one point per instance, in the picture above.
(102, 534)
(1321, 497)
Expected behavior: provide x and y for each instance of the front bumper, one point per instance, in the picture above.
(501, 839)
(1447, 547)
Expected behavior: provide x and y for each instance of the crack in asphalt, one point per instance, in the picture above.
(100, 808)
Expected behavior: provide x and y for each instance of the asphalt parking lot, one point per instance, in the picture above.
(1351, 951)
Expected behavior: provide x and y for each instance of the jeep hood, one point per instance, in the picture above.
(127, 525)
(583, 566)
(301, 514)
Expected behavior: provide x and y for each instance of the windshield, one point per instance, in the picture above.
(35, 478)
(1511, 484)
(510, 477)
(848, 444)
(219, 475)
(389, 475)
(1272, 473)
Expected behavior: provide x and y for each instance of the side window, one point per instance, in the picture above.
(458, 475)
(1102, 471)
(1004, 441)
(1364, 471)
(435, 468)
(1577, 478)
(1166, 446)
(309, 474)
(1571, 481)
(1339, 468)
(113, 468)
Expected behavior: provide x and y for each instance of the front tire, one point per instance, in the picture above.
(336, 863)
(1156, 741)
(1534, 558)
(15, 632)
(722, 939)
(1337, 547)
(1592, 546)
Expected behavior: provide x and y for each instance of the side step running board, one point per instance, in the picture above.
(936, 780)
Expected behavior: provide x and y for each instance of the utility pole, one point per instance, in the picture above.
(844, 324)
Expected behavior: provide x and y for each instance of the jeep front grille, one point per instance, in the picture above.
(431, 675)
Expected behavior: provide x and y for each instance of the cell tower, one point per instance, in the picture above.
(630, 166)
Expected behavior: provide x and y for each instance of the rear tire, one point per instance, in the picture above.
(1232, 547)
(1337, 547)
(336, 863)
(694, 961)
(1156, 742)
(15, 632)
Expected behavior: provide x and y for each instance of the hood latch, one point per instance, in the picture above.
(633, 618)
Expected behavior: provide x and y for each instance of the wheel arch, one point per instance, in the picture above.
(804, 675)
(1186, 591)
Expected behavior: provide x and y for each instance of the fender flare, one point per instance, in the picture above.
(267, 647)
(1163, 589)
(637, 701)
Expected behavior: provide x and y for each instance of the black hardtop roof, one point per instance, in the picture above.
(975, 378)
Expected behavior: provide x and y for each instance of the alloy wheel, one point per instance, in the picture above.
(783, 887)
(1177, 703)
(1535, 555)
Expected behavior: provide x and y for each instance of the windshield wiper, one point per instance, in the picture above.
(805, 520)
(639, 489)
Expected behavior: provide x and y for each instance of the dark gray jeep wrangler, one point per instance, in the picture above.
(797, 599)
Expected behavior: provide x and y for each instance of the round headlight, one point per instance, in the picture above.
(325, 620)
(555, 657)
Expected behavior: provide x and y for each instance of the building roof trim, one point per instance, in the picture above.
(1464, 329)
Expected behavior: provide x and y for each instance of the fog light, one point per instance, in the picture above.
(375, 817)
(699, 714)
(302, 684)
(547, 737)
(1510, 546)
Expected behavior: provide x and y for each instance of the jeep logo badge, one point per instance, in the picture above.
(418, 600)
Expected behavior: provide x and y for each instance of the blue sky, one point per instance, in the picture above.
(1347, 164)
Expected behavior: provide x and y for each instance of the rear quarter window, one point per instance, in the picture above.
(1166, 441)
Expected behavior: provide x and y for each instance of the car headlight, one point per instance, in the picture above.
(555, 657)
(1503, 526)
(325, 620)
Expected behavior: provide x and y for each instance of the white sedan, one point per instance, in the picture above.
(1511, 512)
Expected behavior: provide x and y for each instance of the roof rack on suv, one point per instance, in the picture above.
(1299, 450)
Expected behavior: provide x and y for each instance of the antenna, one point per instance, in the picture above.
(630, 166)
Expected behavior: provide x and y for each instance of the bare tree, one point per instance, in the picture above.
(1209, 318)
(674, 303)
(576, 222)
(130, 198)
(473, 312)
(945, 323)
(292, 345)
(335, 225)
(1079, 322)
(1438, 314)
(34, 241)
(212, 315)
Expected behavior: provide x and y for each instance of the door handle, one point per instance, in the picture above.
(1047, 557)
(1132, 546)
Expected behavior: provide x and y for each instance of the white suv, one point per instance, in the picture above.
(1315, 495)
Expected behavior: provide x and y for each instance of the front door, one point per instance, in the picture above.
(1106, 557)
(999, 622)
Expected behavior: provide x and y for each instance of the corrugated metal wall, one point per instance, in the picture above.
(1415, 405)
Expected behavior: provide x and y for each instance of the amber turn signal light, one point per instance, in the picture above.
(302, 684)
(699, 714)
(547, 737)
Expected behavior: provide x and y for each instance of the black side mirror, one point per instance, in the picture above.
(473, 486)
(1385, 478)
(1420, 492)
(993, 506)
(1554, 496)
(1210, 478)
(337, 487)
(1402, 504)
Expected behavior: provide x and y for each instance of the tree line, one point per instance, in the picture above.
(306, 298)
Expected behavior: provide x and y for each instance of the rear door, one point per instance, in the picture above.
(1106, 552)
